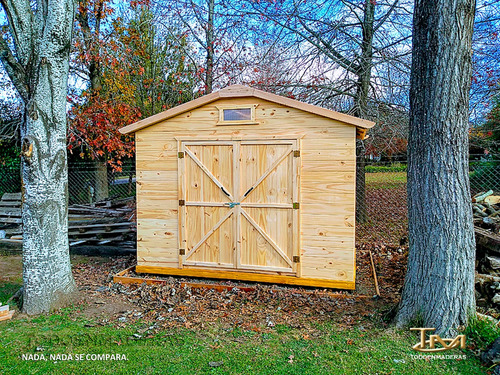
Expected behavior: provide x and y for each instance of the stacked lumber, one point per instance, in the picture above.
(10, 219)
(109, 222)
(486, 210)
(10, 208)
(5, 313)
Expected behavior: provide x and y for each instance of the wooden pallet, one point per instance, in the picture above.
(5, 313)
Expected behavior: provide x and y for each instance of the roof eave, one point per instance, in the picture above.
(236, 91)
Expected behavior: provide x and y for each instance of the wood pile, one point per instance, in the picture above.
(486, 209)
(5, 313)
(110, 222)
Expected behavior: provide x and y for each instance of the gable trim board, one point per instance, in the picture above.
(239, 91)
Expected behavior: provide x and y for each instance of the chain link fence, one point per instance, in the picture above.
(88, 182)
(385, 189)
(386, 198)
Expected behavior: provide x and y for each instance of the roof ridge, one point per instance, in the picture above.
(237, 90)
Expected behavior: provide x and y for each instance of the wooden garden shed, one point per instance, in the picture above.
(247, 185)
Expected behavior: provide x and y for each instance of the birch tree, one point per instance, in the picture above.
(36, 57)
(439, 284)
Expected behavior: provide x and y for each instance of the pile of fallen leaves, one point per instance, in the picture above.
(264, 306)
(387, 215)
(257, 307)
(390, 263)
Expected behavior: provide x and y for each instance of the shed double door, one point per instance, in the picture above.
(238, 206)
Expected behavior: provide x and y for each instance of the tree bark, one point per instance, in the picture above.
(439, 284)
(42, 42)
(364, 72)
(209, 74)
(101, 180)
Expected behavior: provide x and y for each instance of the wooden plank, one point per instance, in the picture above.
(266, 173)
(11, 197)
(159, 214)
(280, 270)
(245, 276)
(8, 316)
(208, 173)
(209, 264)
(208, 234)
(268, 239)
(122, 278)
(290, 225)
(267, 205)
(10, 210)
(207, 204)
(296, 213)
(6, 240)
(290, 142)
(237, 194)
(181, 165)
(10, 204)
(75, 243)
(208, 143)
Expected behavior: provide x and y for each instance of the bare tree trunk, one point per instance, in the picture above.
(361, 209)
(364, 73)
(209, 74)
(91, 40)
(101, 180)
(439, 284)
(39, 71)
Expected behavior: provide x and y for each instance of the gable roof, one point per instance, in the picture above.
(239, 91)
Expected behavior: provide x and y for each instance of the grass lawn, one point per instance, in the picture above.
(326, 347)
(385, 180)
(332, 350)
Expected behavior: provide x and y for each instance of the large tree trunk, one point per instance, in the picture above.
(439, 284)
(361, 105)
(39, 71)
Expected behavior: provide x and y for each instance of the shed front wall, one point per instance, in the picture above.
(327, 191)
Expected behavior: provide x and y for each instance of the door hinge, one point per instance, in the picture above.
(182, 202)
(182, 251)
(180, 155)
(296, 153)
(296, 205)
(296, 259)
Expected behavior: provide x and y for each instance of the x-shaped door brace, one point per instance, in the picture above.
(240, 203)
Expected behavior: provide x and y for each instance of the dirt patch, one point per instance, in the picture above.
(99, 308)
(11, 268)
